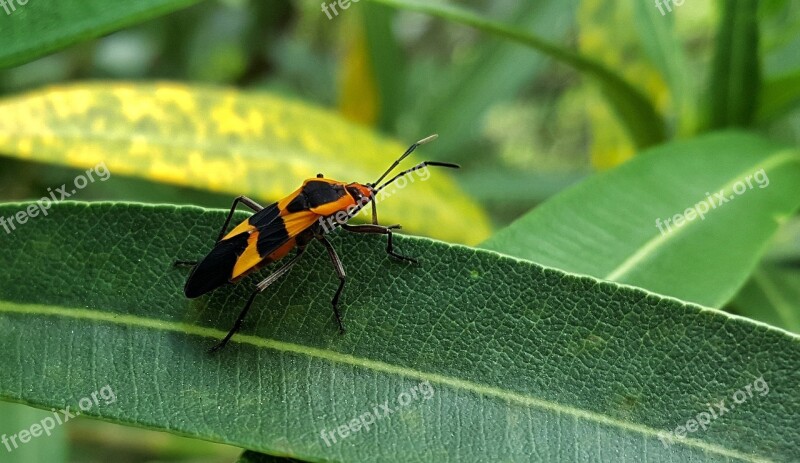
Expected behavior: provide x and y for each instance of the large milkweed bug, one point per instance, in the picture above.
(319, 206)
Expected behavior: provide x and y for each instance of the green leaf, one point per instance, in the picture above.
(736, 72)
(225, 141)
(359, 92)
(41, 27)
(496, 70)
(387, 62)
(519, 358)
(608, 225)
(778, 96)
(644, 124)
(606, 34)
(663, 48)
(772, 295)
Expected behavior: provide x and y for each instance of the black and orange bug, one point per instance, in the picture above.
(319, 206)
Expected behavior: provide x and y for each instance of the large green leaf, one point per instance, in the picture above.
(608, 225)
(40, 27)
(644, 124)
(227, 141)
(522, 360)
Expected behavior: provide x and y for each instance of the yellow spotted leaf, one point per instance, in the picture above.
(226, 141)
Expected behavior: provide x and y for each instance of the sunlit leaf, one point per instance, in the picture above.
(226, 140)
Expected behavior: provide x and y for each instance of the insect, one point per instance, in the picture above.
(320, 206)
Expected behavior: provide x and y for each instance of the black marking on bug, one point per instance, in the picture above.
(217, 267)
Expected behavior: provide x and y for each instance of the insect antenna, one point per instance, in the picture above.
(405, 155)
(419, 166)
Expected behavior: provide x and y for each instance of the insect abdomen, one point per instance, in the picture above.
(216, 268)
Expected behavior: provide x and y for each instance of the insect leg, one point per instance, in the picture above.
(260, 287)
(240, 199)
(337, 264)
(380, 230)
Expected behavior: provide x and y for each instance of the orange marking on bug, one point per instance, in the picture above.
(365, 190)
(297, 222)
(249, 258)
(333, 207)
(243, 227)
(280, 252)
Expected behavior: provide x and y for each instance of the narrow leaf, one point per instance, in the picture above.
(41, 27)
(470, 347)
(497, 70)
(772, 295)
(664, 49)
(226, 141)
(621, 225)
(778, 96)
(388, 62)
(644, 124)
(736, 73)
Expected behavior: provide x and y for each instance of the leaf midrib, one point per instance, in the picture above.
(658, 241)
(378, 366)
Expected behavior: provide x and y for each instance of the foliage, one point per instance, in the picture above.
(191, 102)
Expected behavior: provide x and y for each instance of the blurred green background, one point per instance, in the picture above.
(523, 126)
